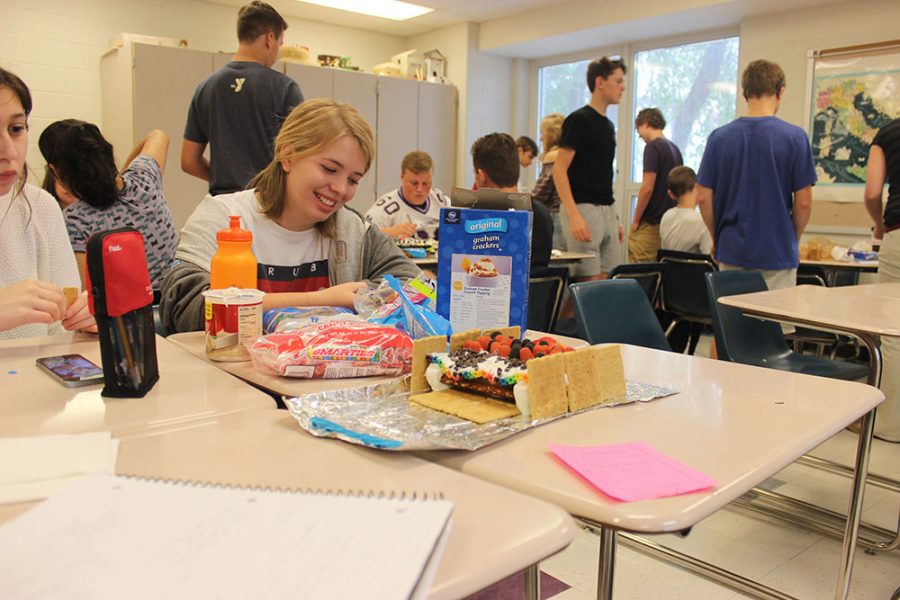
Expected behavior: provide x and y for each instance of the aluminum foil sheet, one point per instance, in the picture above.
(381, 416)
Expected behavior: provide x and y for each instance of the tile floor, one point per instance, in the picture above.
(793, 560)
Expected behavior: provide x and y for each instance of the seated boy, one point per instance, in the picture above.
(682, 227)
(497, 166)
(413, 209)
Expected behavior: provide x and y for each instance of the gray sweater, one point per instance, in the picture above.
(360, 252)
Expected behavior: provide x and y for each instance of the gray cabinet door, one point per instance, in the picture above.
(437, 130)
(398, 109)
(314, 82)
(164, 83)
(358, 90)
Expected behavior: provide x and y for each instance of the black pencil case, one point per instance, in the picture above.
(120, 297)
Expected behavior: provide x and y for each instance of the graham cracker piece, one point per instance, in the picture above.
(421, 349)
(596, 376)
(514, 331)
(457, 340)
(547, 386)
(472, 407)
(71, 294)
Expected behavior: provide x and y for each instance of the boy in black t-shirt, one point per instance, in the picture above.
(583, 174)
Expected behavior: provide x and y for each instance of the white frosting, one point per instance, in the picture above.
(488, 364)
(433, 376)
(523, 403)
(483, 268)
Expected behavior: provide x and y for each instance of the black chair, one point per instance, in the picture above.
(753, 341)
(617, 311)
(648, 275)
(684, 291)
(812, 275)
(545, 290)
(842, 277)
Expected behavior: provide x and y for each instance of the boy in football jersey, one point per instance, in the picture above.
(412, 210)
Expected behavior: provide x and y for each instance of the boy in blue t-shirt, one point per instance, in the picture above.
(755, 183)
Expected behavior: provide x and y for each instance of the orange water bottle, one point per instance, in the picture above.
(233, 265)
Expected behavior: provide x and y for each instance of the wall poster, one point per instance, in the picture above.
(854, 91)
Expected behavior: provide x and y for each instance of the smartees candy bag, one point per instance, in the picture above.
(333, 350)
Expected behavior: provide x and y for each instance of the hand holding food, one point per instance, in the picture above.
(30, 301)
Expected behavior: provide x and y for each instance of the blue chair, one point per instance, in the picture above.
(753, 341)
(843, 277)
(616, 311)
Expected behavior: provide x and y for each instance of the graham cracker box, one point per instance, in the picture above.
(484, 258)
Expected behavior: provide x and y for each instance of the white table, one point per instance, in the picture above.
(32, 403)
(866, 312)
(860, 266)
(558, 258)
(738, 424)
(495, 532)
(863, 311)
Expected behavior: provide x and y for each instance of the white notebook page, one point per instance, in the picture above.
(118, 537)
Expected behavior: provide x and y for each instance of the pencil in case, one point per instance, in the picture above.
(120, 297)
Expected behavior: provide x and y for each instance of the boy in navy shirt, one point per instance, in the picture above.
(755, 183)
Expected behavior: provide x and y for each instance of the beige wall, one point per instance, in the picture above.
(484, 84)
(787, 37)
(454, 43)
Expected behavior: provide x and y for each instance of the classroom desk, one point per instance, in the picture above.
(32, 403)
(862, 266)
(736, 423)
(557, 259)
(290, 387)
(867, 312)
(495, 532)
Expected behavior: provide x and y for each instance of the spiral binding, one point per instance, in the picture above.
(412, 495)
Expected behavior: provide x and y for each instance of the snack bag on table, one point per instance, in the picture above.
(334, 350)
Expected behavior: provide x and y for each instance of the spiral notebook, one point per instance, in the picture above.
(108, 536)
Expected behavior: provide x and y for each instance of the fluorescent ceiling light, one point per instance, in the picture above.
(387, 9)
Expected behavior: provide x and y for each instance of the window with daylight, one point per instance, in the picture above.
(695, 87)
(563, 88)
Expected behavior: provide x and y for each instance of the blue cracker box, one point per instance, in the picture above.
(484, 259)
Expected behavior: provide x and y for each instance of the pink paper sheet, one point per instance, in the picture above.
(633, 471)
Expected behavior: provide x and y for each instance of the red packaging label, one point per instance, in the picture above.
(127, 284)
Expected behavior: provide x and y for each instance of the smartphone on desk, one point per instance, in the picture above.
(71, 370)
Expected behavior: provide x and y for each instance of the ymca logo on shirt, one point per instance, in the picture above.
(238, 84)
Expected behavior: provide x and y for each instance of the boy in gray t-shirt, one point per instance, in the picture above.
(682, 227)
(239, 109)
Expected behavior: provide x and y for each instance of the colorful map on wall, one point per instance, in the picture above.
(852, 97)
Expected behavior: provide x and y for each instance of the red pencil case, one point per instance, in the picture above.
(120, 297)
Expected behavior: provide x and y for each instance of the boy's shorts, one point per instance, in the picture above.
(603, 223)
